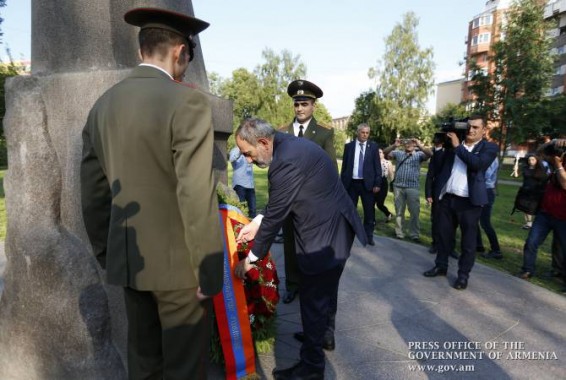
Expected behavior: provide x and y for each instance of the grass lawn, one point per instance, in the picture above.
(508, 227)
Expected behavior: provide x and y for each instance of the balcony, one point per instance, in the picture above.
(554, 8)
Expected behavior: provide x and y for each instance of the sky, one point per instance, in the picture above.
(337, 40)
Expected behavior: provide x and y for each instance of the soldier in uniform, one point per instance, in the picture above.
(304, 94)
(149, 200)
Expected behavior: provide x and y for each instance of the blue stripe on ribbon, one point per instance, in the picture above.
(230, 306)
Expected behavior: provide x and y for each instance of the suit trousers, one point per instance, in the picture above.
(168, 334)
(319, 299)
(485, 223)
(434, 224)
(357, 190)
(407, 197)
(454, 211)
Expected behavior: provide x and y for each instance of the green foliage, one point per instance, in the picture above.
(513, 94)
(274, 75)
(405, 81)
(339, 141)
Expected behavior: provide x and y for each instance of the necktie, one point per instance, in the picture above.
(301, 130)
(361, 162)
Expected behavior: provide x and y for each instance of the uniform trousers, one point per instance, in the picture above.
(168, 334)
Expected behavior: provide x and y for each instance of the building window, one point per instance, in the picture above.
(482, 20)
(483, 38)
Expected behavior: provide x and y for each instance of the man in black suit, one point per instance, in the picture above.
(304, 95)
(463, 192)
(430, 195)
(361, 175)
(303, 185)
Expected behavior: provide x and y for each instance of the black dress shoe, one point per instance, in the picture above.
(290, 296)
(461, 283)
(328, 343)
(371, 242)
(436, 271)
(298, 372)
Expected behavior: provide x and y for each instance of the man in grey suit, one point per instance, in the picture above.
(149, 200)
(304, 94)
(305, 187)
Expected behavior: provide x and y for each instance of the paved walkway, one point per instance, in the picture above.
(386, 307)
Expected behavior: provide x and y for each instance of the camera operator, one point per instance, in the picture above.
(406, 184)
(463, 192)
(552, 212)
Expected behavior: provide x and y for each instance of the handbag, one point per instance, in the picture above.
(527, 201)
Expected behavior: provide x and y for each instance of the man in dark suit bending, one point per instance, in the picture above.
(361, 175)
(303, 185)
(462, 193)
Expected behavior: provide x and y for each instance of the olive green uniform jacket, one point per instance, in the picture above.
(319, 134)
(148, 194)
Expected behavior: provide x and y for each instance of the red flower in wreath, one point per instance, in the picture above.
(260, 285)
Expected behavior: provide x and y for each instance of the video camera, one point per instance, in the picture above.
(458, 126)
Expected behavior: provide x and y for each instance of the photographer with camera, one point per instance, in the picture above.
(406, 184)
(551, 215)
(462, 187)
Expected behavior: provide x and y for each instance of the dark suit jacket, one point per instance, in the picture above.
(434, 166)
(304, 185)
(477, 162)
(372, 165)
(148, 195)
(321, 135)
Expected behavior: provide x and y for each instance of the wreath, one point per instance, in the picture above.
(260, 289)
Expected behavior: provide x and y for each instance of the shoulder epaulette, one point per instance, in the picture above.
(325, 126)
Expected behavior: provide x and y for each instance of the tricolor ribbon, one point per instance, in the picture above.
(230, 306)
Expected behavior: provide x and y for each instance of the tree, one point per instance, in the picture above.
(449, 111)
(405, 80)
(512, 95)
(274, 75)
(2, 4)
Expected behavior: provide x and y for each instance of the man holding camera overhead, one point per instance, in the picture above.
(463, 193)
(406, 184)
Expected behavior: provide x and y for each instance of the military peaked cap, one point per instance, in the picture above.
(303, 89)
(186, 26)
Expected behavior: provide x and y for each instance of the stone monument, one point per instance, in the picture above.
(58, 320)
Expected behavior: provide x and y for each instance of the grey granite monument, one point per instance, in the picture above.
(57, 318)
